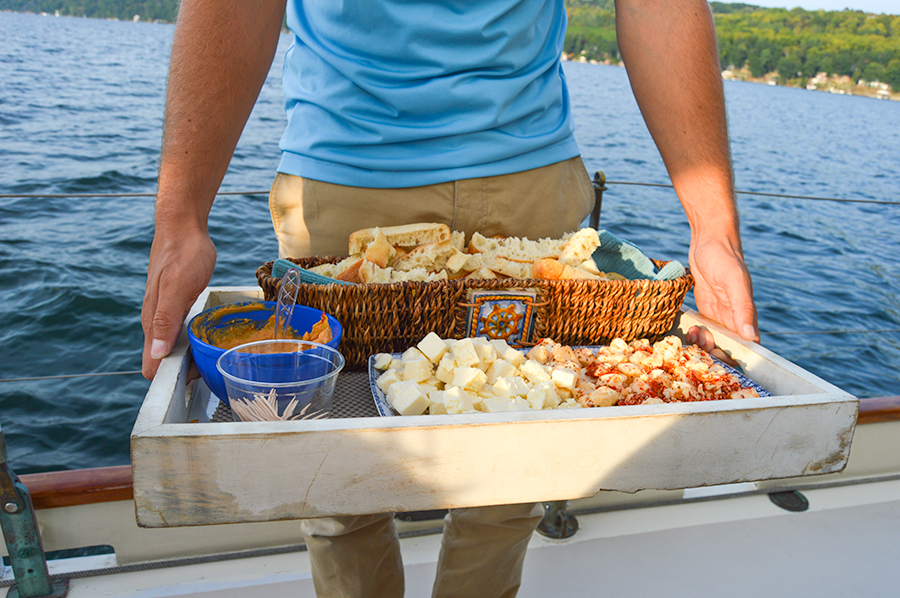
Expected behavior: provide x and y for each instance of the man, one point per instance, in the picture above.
(402, 112)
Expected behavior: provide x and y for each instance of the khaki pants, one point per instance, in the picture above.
(315, 218)
(482, 553)
(483, 548)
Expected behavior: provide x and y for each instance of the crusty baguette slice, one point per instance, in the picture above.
(579, 247)
(519, 249)
(510, 268)
(458, 239)
(333, 270)
(457, 262)
(482, 272)
(431, 256)
(551, 269)
(380, 251)
(369, 272)
(405, 235)
(351, 274)
(329, 270)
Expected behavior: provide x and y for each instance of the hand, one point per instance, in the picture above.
(181, 266)
(723, 292)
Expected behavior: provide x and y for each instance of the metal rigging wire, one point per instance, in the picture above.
(135, 372)
(875, 201)
(265, 192)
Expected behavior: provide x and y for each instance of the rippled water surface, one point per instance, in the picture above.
(81, 105)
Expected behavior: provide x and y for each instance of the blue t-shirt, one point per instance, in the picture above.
(392, 93)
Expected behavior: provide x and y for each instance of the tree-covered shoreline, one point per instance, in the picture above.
(125, 10)
(791, 47)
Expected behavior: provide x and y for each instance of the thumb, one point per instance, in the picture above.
(745, 322)
(167, 324)
(161, 336)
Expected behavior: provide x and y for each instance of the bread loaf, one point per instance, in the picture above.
(351, 274)
(431, 252)
(380, 251)
(372, 273)
(431, 256)
(518, 249)
(551, 269)
(405, 235)
(579, 247)
(332, 270)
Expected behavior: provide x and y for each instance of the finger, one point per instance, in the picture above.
(724, 357)
(701, 337)
(694, 336)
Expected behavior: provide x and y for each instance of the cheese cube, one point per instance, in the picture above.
(500, 368)
(564, 378)
(485, 391)
(411, 353)
(534, 371)
(469, 378)
(543, 396)
(382, 361)
(519, 404)
(504, 351)
(540, 354)
(446, 369)
(436, 408)
(417, 368)
(486, 351)
(464, 352)
(430, 385)
(510, 386)
(496, 405)
(457, 400)
(385, 380)
(433, 347)
(407, 398)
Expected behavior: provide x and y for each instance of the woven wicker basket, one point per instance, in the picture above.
(391, 318)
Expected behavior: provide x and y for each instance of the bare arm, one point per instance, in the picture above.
(669, 49)
(221, 53)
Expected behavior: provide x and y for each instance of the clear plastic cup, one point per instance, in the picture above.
(280, 379)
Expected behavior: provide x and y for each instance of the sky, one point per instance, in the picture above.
(891, 7)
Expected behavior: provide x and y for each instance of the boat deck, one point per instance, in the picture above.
(845, 544)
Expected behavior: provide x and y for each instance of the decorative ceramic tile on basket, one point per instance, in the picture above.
(501, 314)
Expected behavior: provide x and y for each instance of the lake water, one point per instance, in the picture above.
(81, 104)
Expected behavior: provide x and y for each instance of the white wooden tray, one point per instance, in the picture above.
(209, 473)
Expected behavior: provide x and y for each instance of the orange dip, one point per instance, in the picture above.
(238, 331)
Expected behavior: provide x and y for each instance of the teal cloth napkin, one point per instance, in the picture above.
(626, 258)
(281, 266)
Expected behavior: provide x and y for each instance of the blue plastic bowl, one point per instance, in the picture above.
(208, 322)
